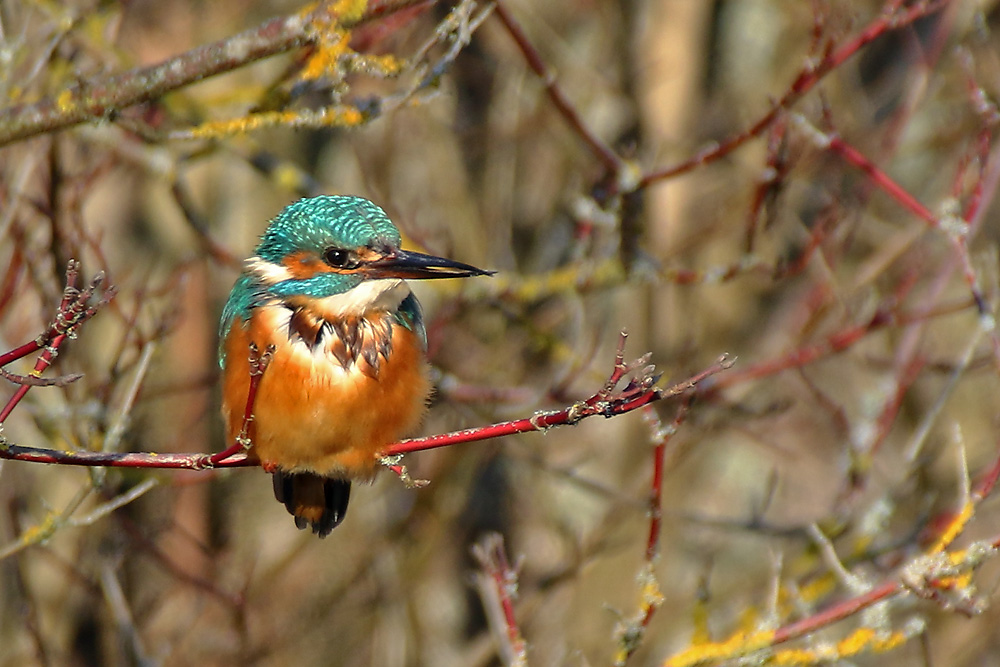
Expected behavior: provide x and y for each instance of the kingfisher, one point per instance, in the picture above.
(325, 292)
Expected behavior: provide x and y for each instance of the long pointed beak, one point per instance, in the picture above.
(418, 266)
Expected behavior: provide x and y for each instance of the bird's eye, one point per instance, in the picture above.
(337, 257)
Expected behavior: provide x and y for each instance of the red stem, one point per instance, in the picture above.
(882, 180)
(43, 362)
(891, 18)
(834, 343)
(18, 352)
(601, 150)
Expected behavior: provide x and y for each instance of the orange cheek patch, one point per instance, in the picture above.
(369, 255)
(305, 265)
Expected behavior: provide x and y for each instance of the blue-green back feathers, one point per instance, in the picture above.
(411, 316)
(242, 298)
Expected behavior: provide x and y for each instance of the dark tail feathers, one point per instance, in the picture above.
(315, 501)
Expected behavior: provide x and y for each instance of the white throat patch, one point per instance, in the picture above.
(268, 273)
(384, 294)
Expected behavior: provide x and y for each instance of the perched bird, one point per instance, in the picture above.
(348, 373)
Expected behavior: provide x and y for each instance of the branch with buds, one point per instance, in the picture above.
(77, 306)
(630, 386)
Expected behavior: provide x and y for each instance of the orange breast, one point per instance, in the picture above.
(312, 415)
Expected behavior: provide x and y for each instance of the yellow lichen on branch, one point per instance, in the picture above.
(739, 644)
(326, 56)
(331, 38)
(817, 589)
(64, 101)
(954, 528)
(862, 640)
(349, 11)
(342, 116)
(630, 631)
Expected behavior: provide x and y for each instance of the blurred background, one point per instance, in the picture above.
(865, 385)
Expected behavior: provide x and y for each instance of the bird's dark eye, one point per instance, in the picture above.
(337, 257)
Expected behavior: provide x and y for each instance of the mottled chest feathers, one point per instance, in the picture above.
(363, 342)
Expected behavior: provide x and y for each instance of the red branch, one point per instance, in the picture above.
(258, 364)
(601, 150)
(836, 612)
(847, 608)
(891, 18)
(638, 392)
(498, 594)
(834, 343)
(640, 389)
(957, 229)
(75, 308)
(661, 437)
(877, 176)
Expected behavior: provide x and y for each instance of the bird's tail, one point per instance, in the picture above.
(315, 501)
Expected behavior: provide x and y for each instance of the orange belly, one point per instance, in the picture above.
(311, 415)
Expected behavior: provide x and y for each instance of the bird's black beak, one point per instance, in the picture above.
(418, 266)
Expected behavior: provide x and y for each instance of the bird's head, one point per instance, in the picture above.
(344, 251)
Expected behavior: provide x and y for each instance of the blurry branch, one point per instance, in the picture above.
(956, 224)
(497, 586)
(33, 381)
(941, 574)
(772, 181)
(141, 539)
(589, 276)
(333, 59)
(124, 620)
(104, 98)
(833, 344)
(623, 177)
(104, 509)
(894, 15)
(887, 314)
(53, 521)
(612, 163)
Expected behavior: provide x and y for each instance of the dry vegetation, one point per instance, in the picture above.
(806, 186)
